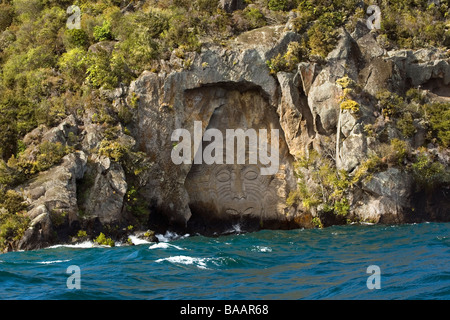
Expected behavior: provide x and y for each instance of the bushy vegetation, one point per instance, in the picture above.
(415, 23)
(429, 172)
(322, 185)
(45, 64)
(13, 221)
(438, 115)
(402, 111)
(49, 71)
(104, 241)
(294, 54)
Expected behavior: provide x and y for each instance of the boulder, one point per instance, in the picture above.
(52, 198)
(421, 66)
(105, 200)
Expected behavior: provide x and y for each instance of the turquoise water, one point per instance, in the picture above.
(331, 263)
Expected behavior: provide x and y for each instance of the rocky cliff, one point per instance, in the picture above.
(337, 160)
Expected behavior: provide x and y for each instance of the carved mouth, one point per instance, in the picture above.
(235, 212)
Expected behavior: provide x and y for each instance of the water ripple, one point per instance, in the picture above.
(329, 263)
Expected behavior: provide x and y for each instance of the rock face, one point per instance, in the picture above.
(105, 199)
(232, 5)
(234, 193)
(232, 88)
(53, 202)
(223, 89)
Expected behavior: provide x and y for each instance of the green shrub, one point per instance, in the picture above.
(58, 218)
(13, 219)
(149, 234)
(74, 38)
(6, 16)
(406, 125)
(104, 241)
(208, 6)
(320, 183)
(351, 105)
(103, 32)
(12, 201)
(100, 70)
(428, 172)
(346, 82)
(8, 128)
(181, 33)
(322, 39)
(400, 151)
(27, 165)
(317, 222)
(438, 115)
(276, 64)
(281, 5)
(369, 129)
(415, 95)
(137, 205)
(81, 234)
(73, 64)
(113, 150)
(12, 228)
(255, 17)
(390, 103)
(414, 24)
(49, 154)
(140, 45)
(289, 61)
(366, 169)
(294, 54)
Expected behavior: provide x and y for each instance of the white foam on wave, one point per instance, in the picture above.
(81, 245)
(164, 245)
(137, 241)
(262, 249)
(200, 263)
(186, 260)
(52, 262)
(170, 236)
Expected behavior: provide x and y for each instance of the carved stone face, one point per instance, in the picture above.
(239, 189)
(232, 191)
(238, 192)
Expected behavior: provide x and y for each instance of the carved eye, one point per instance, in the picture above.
(232, 211)
(251, 175)
(223, 176)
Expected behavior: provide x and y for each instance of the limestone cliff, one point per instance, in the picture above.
(124, 176)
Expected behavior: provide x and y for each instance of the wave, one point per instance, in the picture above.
(81, 245)
(261, 249)
(186, 260)
(201, 263)
(52, 261)
(170, 236)
(164, 245)
(137, 241)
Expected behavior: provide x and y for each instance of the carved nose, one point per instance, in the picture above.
(237, 186)
(239, 195)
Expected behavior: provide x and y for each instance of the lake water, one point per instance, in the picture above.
(331, 263)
